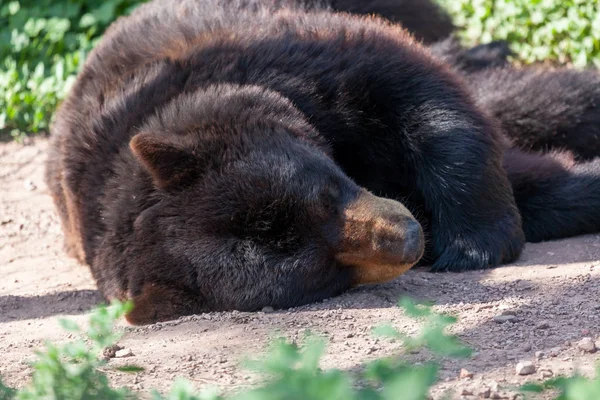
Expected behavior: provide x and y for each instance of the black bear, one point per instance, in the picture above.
(468, 61)
(553, 114)
(543, 109)
(425, 19)
(214, 156)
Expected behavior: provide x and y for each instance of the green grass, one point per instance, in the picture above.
(43, 44)
(563, 31)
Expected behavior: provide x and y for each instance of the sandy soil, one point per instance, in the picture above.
(552, 294)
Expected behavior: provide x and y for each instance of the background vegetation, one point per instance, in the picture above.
(564, 31)
(43, 43)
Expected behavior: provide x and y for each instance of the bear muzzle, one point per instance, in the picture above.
(380, 239)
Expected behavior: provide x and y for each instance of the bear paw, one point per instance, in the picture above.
(480, 250)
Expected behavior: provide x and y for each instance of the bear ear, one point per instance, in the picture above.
(169, 165)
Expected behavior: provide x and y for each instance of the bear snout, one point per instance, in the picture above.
(380, 239)
(402, 240)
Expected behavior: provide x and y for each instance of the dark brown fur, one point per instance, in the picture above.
(542, 109)
(218, 157)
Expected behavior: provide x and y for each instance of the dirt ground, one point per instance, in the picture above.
(538, 309)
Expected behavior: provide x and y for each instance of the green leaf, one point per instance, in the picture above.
(130, 368)
(87, 20)
(386, 331)
(69, 325)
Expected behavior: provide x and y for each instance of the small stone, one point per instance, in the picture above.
(350, 335)
(525, 368)
(539, 355)
(543, 325)
(466, 392)
(267, 309)
(500, 319)
(29, 185)
(546, 373)
(526, 347)
(123, 353)
(111, 351)
(587, 344)
(493, 386)
(486, 392)
(464, 374)
(555, 351)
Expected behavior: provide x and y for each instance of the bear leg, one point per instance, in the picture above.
(556, 196)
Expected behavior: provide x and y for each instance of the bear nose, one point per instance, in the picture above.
(399, 240)
(414, 242)
(380, 239)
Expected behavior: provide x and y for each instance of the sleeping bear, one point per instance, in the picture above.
(539, 108)
(553, 115)
(215, 156)
(425, 19)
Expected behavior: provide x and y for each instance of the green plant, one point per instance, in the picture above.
(538, 30)
(572, 388)
(75, 370)
(43, 44)
(71, 371)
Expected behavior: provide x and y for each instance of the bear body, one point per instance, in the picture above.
(424, 19)
(542, 109)
(213, 156)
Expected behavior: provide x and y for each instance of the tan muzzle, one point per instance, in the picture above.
(380, 239)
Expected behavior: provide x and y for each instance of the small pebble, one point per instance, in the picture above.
(525, 368)
(546, 373)
(543, 325)
(465, 374)
(504, 318)
(267, 309)
(555, 351)
(587, 344)
(486, 392)
(111, 351)
(539, 355)
(123, 353)
(493, 386)
(29, 185)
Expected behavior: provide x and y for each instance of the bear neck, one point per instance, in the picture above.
(232, 110)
